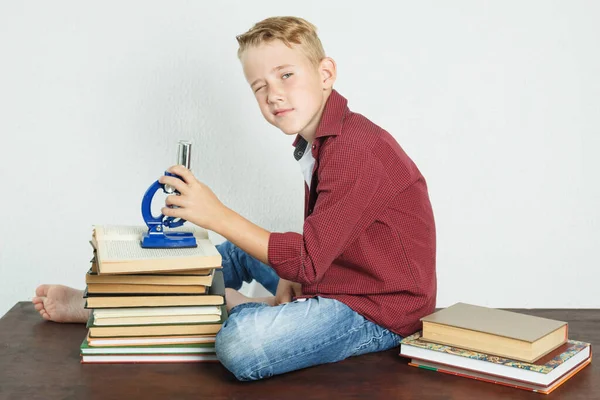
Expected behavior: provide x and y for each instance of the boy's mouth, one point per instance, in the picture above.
(283, 111)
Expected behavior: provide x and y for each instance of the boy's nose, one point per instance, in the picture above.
(274, 95)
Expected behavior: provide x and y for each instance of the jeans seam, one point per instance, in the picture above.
(231, 253)
(347, 333)
(235, 271)
(371, 340)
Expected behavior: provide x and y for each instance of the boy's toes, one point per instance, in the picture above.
(42, 290)
(39, 306)
(45, 315)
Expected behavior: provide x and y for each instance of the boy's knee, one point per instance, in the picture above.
(236, 349)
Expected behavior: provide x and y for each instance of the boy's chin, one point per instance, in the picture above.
(289, 130)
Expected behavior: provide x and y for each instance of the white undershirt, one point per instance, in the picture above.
(307, 163)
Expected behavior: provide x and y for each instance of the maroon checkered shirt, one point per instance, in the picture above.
(369, 233)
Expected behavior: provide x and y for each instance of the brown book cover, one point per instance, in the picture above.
(160, 330)
(199, 272)
(193, 272)
(494, 321)
(215, 296)
(119, 288)
(169, 279)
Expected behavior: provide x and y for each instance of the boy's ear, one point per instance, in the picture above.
(328, 71)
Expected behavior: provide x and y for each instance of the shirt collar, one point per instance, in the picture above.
(331, 120)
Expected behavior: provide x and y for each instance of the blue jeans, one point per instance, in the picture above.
(258, 341)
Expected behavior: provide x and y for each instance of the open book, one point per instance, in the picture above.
(119, 250)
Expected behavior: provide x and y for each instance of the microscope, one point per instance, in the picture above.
(159, 234)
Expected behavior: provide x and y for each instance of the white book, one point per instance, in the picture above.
(193, 348)
(155, 311)
(157, 320)
(151, 341)
(147, 350)
(158, 358)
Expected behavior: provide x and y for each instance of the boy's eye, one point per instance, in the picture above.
(257, 89)
(285, 76)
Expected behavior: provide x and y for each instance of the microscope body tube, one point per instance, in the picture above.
(184, 157)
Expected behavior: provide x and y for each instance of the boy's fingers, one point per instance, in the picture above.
(287, 296)
(182, 171)
(177, 183)
(282, 298)
(297, 289)
(174, 200)
(172, 212)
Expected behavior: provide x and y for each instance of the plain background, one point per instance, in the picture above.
(496, 102)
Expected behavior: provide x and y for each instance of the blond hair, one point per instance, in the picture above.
(290, 30)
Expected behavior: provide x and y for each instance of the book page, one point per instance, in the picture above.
(128, 250)
(135, 232)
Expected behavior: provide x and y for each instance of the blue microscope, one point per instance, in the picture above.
(157, 236)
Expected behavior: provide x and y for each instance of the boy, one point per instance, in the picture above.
(363, 271)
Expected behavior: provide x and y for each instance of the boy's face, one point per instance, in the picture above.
(290, 90)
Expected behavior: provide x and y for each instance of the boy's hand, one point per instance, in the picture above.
(286, 290)
(197, 203)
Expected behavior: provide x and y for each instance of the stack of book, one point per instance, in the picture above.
(497, 346)
(152, 305)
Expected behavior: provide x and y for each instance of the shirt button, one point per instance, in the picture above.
(314, 146)
(310, 210)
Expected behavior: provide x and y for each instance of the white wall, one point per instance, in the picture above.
(497, 103)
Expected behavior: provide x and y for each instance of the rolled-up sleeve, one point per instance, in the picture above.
(352, 191)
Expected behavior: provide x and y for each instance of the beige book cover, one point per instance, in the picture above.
(200, 272)
(121, 288)
(194, 272)
(495, 322)
(166, 279)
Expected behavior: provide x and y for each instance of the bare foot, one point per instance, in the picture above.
(233, 298)
(60, 304)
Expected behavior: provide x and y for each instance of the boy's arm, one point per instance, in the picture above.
(353, 190)
(254, 240)
(249, 237)
(198, 204)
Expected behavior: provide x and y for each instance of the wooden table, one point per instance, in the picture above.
(40, 360)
